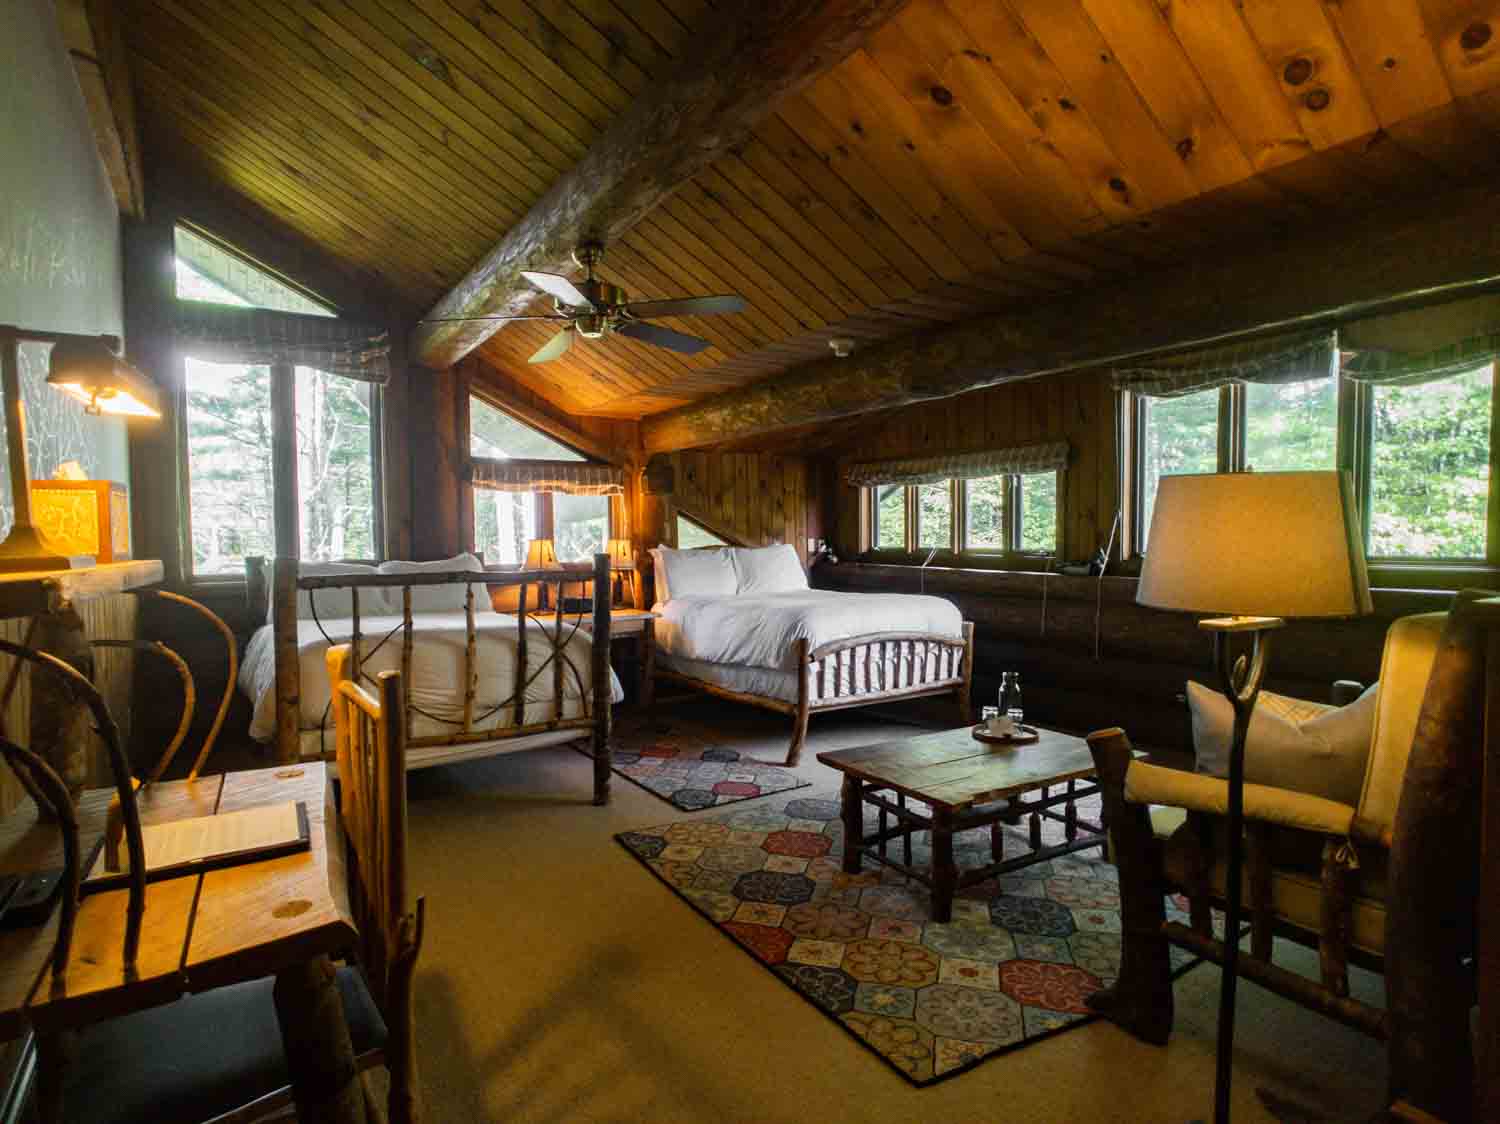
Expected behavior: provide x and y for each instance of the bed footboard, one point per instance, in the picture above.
(505, 720)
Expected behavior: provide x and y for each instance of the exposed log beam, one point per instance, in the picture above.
(1427, 251)
(752, 56)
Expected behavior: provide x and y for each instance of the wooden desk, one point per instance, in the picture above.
(281, 917)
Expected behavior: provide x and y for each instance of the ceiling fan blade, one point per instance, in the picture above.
(466, 319)
(555, 348)
(688, 306)
(559, 287)
(663, 337)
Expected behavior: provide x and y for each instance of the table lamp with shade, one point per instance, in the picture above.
(89, 369)
(1257, 547)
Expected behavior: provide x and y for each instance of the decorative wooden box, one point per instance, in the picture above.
(84, 517)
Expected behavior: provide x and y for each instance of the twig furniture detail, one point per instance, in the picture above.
(895, 666)
(1418, 820)
(499, 728)
(370, 734)
(965, 785)
(210, 933)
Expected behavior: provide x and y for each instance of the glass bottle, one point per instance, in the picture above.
(1007, 687)
(1010, 696)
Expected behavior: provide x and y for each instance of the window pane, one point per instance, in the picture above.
(1293, 427)
(229, 465)
(504, 523)
(935, 515)
(1038, 495)
(1429, 468)
(1178, 435)
(691, 535)
(580, 526)
(208, 272)
(985, 514)
(335, 467)
(890, 517)
(494, 433)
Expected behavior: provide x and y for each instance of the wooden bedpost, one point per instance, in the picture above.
(965, 693)
(603, 696)
(804, 701)
(288, 677)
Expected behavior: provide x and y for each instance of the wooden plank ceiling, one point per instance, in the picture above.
(976, 154)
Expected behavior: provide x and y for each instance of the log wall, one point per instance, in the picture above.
(751, 498)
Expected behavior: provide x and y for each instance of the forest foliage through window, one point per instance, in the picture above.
(1002, 514)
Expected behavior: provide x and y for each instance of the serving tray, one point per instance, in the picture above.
(1024, 735)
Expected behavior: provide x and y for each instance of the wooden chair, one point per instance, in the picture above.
(1390, 884)
(218, 1056)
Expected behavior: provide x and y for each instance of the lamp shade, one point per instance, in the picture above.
(1256, 544)
(86, 368)
(540, 555)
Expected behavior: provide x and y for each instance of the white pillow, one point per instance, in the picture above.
(337, 603)
(770, 569)
(1294, 744)
(437, 598)
(704, 572)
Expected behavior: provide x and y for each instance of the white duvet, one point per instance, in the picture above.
(437, 670)
(758, 630)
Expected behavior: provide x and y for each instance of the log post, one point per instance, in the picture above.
(288, 673)
(800, 651)
(60, 732)
(320, 1059)
(601, 678)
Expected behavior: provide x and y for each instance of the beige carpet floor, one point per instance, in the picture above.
(561, 982)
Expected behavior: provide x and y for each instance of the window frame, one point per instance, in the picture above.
(1353, 452)
(1008, 556)
(285, 501)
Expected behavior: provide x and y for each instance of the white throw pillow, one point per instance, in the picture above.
(437, 598)
(770, 569)
(704, 572)
(1303, 746)
(337, 603)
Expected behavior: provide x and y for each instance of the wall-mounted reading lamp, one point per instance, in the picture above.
(87, 368)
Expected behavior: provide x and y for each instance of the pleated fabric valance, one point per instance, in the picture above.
(1281, 359)
(574, 478)
(1423, 344)
(228, 334)
(959, 466)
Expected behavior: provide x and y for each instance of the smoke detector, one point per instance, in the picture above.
(842, 346)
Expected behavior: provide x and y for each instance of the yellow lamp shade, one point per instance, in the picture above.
(84, 517)
(1256, 544)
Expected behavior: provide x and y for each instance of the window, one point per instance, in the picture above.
(691, 535)
(207, 271)
(494, 433)
(504, 523)
(1428, 468)
(580, 526)
(1005, 514)
(230, 429)
(1419, 454)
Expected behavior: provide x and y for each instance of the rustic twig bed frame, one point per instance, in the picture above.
(471, 736)
(938, 665)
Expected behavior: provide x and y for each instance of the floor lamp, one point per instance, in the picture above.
(1262, 547)
(86, 368)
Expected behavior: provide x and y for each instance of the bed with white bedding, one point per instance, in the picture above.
(473, 683)
(742, 623)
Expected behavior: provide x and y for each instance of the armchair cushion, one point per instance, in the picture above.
(1411, 646)
(1152, 784)
(1293, 744)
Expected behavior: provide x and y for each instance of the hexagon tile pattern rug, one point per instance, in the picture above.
(690, 768)
(1015, 964)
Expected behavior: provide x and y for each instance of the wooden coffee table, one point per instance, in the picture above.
(965, 784)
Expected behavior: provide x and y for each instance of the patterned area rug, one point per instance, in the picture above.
(690, 768)
(1015, 964)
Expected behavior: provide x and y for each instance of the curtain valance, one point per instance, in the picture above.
(574, 478)
(1281, 359)
(959, 466)
(1423, 344)
(230, 334)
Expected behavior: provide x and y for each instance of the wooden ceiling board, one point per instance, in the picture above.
(974, 155)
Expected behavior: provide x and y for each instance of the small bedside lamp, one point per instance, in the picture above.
(1261, 546)
(86, 368)
(541, 556)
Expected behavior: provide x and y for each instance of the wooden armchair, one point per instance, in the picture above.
(1390, 884)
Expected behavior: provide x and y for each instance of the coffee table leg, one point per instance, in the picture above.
(997, 842)
(944, 871)
(854, 822)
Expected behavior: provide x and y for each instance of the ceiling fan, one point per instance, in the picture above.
(595, 309)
